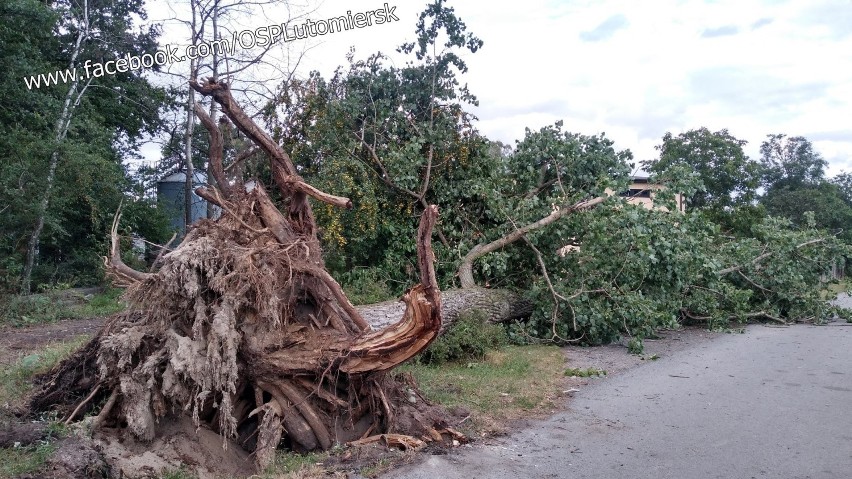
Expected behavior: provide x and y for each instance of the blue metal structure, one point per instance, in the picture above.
(170, 197)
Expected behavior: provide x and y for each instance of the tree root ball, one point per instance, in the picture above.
(244, 332)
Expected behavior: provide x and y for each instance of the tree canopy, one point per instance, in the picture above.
(85, 142)
(728, 177)
(790, 162)
(754, 241)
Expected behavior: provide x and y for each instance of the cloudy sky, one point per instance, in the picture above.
(636, 70)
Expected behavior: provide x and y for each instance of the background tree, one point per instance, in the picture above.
(844, 185)
(248, 70)
(28, 44)
(395, 139)
(727, 175)
(790, 162)
(825, 202)
(64, 144)
(794, 178)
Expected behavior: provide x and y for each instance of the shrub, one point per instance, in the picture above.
(469, 339)
(52, 306)
(366, 286)
(26, 310)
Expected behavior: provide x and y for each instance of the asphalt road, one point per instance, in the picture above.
(770, 403)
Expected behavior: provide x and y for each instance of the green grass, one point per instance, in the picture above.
(15, 461)
(291, 465)
(52, 306)
(22, 460)
(102, 304)
(379, 467)
(507, 384)
(15, 383)
(586, 373)
(16, 380)
(178, 474)
(835, 287)
(287, 465)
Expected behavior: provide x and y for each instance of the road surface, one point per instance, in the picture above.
(770, 403)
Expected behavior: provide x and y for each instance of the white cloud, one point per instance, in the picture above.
(753, 67)
(605, 30)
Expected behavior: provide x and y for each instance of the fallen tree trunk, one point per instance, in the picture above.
(498, 305)
(243, 330)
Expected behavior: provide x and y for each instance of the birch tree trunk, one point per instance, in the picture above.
(72, 100)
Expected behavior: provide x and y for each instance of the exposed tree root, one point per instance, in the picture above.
(243, 330)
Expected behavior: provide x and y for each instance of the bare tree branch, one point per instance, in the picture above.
(465, 271)
(216, 150)
(762, 257)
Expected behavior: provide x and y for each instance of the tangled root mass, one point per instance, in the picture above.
(243, 330)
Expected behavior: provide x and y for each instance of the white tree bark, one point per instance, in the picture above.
(72, 100)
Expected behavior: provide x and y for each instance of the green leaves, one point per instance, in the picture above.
(790, 162)
(114, 112)
(403, 138)
(726, 176)
(638, 270)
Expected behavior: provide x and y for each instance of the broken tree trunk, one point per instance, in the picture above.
(244, 330)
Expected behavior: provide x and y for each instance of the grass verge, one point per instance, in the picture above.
(835, 287)
(16, 380)
(15, 383)
(52, 306)
(508, 384)
(22, 460)
(290, 465)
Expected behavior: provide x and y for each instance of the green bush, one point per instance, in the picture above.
(366, 286)
(25, 310)
(469, 339)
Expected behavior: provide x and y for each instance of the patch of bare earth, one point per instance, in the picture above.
(18, 342)
(178, 445)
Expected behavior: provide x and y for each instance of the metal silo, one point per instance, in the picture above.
(170, 197)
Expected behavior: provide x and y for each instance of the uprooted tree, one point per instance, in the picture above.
(244, 329)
